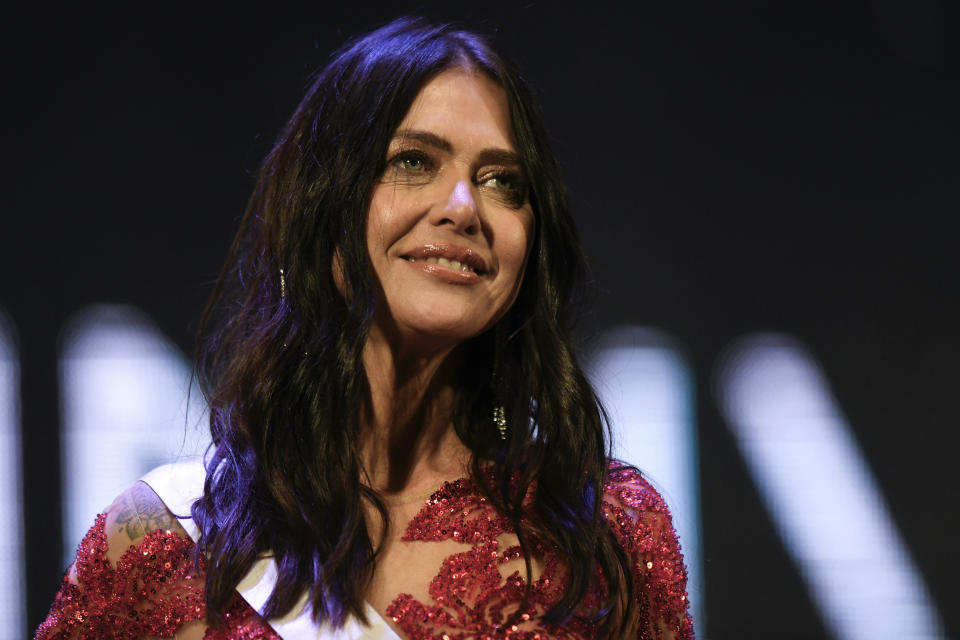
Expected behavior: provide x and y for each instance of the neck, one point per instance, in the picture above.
(408, 442)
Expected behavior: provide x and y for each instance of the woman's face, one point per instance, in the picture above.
(450, 223)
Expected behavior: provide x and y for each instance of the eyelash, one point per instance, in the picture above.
(411, 156)
(516, 195)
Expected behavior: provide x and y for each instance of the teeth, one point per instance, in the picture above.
(443, 262)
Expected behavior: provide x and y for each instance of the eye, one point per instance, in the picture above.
(508, 185)
(504, 181)
(414, 161)
(411, 164)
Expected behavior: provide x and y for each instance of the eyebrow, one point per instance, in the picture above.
(493, 155)
(425, 137)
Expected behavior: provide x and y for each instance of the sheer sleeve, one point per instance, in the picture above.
(135, 577)
(641, 521)
(152, 591)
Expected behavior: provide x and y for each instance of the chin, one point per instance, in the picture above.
(440, 323)
(453, 332)
(450, 329)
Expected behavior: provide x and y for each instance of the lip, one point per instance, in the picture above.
(463, 255)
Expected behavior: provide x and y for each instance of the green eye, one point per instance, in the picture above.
(510, 186)
(412, 161)
(504, 182)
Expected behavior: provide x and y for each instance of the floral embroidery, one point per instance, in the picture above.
(156, 587)
(154, 590)
(471, 599)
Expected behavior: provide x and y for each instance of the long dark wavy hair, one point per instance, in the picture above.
(281, 369)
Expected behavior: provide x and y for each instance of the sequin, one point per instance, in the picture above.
(471, 599)
(156, 588)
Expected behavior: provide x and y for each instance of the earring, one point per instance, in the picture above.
(499, 416)
(283, 293)
(500, 420)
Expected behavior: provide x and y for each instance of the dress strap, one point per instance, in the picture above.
(180, 484)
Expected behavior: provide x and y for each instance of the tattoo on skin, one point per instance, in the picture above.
(142, 512)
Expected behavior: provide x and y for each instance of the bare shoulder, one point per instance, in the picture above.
(135, 513)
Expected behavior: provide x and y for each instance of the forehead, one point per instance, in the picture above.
(463, 106)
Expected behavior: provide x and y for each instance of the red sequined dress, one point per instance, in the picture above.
(155, 590)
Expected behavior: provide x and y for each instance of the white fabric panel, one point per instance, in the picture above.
(178, 485)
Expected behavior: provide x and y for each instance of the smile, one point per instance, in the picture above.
(443, 262)
(449, 256)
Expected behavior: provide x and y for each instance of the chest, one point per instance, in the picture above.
(452, 565)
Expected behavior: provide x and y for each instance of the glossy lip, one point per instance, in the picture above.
(464, 255)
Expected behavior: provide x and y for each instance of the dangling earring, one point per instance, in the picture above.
(500, 420)
(283, 293)
(499, 416)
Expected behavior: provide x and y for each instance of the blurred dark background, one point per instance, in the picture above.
(786, 167)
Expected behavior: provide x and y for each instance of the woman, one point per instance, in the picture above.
(404, 443)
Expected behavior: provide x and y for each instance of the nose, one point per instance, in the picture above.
(460, 209)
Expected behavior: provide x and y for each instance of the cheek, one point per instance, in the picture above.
(378, 233)
(385, 222)
(517, 242)
(522, 243)
(516, 260)
(375, 228)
